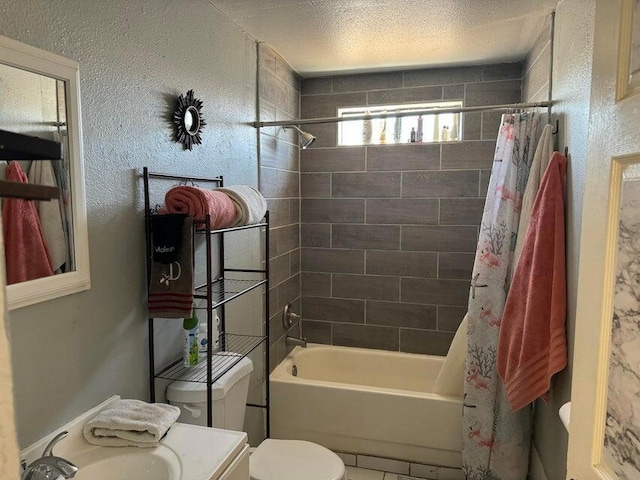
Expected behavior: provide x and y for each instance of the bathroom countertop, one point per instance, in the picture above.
(203, 453)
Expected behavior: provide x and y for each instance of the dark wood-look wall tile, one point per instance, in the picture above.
(365, 336)
(342, 159)
(435, 292)
(314, 86)
(453, 92)
(426, 342)
(326, 135)
(269, 182)
(382, 237)
(315, 235)
(316, 284)
(417, 211)
(315, 185)
(279, 269)
(455, 265)
(319, 106)
(277, 153)
(332, 210)
(485, 177)
(288, 291)
(404, 95)
(472, 126)
(439, 239)
(403, 157)
(365, 287)
(333, 309)
(468, 155)
(317, 332)
(288, 238)
(295, 258)
(279, 212)
(361, 185)
(450, 318)
(294, 210)
(460, 183)
(491, 123)
(395, 314)
(442, 76)
(367, 81)
(332, 260)
(503, 71)
(288, 184)
(461, 211)
(493, 93)
(401, 264)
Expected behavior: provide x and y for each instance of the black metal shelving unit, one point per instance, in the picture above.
(218, 290)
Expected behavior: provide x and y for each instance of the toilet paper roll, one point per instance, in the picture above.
(565, 414)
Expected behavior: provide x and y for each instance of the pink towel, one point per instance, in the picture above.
(532, 345)
(24, 248)
(198, 202)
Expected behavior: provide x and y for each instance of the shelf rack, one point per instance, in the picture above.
(215, 293)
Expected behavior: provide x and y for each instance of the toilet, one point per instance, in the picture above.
(272, 459)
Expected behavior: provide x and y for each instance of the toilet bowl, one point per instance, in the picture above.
(272, 459)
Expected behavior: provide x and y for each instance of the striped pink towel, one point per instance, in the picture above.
(198, 202)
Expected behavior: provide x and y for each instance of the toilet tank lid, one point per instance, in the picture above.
(190, 391)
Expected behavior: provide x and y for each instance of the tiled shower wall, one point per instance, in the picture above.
(279, 99)
(388, 233)
(537, 66)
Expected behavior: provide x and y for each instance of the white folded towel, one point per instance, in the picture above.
(250, 204)
(131, 423)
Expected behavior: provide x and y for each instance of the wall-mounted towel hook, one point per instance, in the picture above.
(566, 152)
(557, 127)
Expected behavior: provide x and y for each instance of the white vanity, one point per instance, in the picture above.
(187, 452)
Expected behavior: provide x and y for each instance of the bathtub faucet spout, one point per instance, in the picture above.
(288, 318)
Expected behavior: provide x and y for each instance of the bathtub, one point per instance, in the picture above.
(369, 402)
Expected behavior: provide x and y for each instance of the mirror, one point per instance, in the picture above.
(188, 120)
(47, 248)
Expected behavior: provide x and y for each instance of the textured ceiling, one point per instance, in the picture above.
(330, 36)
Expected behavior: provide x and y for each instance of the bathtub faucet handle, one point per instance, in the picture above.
(288, 317)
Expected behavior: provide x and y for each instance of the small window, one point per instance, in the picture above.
(443, 127)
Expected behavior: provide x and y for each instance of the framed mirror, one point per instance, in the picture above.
(40, 97)
(188, 120)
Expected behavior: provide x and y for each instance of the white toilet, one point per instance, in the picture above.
(273, 459)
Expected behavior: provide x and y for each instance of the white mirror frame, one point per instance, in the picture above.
(26, 57)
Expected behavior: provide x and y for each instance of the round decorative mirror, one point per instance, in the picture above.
(188, 120)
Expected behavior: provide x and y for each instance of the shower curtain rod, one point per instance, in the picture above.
(433, 111)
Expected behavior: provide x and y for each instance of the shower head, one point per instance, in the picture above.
(305, 138)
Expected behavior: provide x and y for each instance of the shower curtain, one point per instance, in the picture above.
(496, 440)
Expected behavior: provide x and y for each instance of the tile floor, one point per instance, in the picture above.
(364, 467)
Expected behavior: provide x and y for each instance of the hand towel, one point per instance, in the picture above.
(166, 233)
(171, 284)
(131, 423)
(541, 158)
(198, 202)
(532, 343)
(250, 205)
(50, 213)
(25, 250)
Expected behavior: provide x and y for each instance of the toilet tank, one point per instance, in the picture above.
(229, 392)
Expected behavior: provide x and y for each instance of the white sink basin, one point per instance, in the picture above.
(101, 463)
(187, 452)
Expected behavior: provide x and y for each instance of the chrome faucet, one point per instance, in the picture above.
(49, 467)
(288, 319)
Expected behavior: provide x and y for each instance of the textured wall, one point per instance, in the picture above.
(279, 97)
(135, 57)
(389, 233)
(572, 61)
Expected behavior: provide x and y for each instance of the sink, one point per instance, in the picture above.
(186, 452)
(102, 463)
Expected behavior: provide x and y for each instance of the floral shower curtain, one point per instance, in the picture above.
(496, 440)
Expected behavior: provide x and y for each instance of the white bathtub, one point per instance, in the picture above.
(366, 401)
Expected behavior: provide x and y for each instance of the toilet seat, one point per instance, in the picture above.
(294, 460)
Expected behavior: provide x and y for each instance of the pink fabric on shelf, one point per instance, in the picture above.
(532, 346)
(25, 251)
(198, 202)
